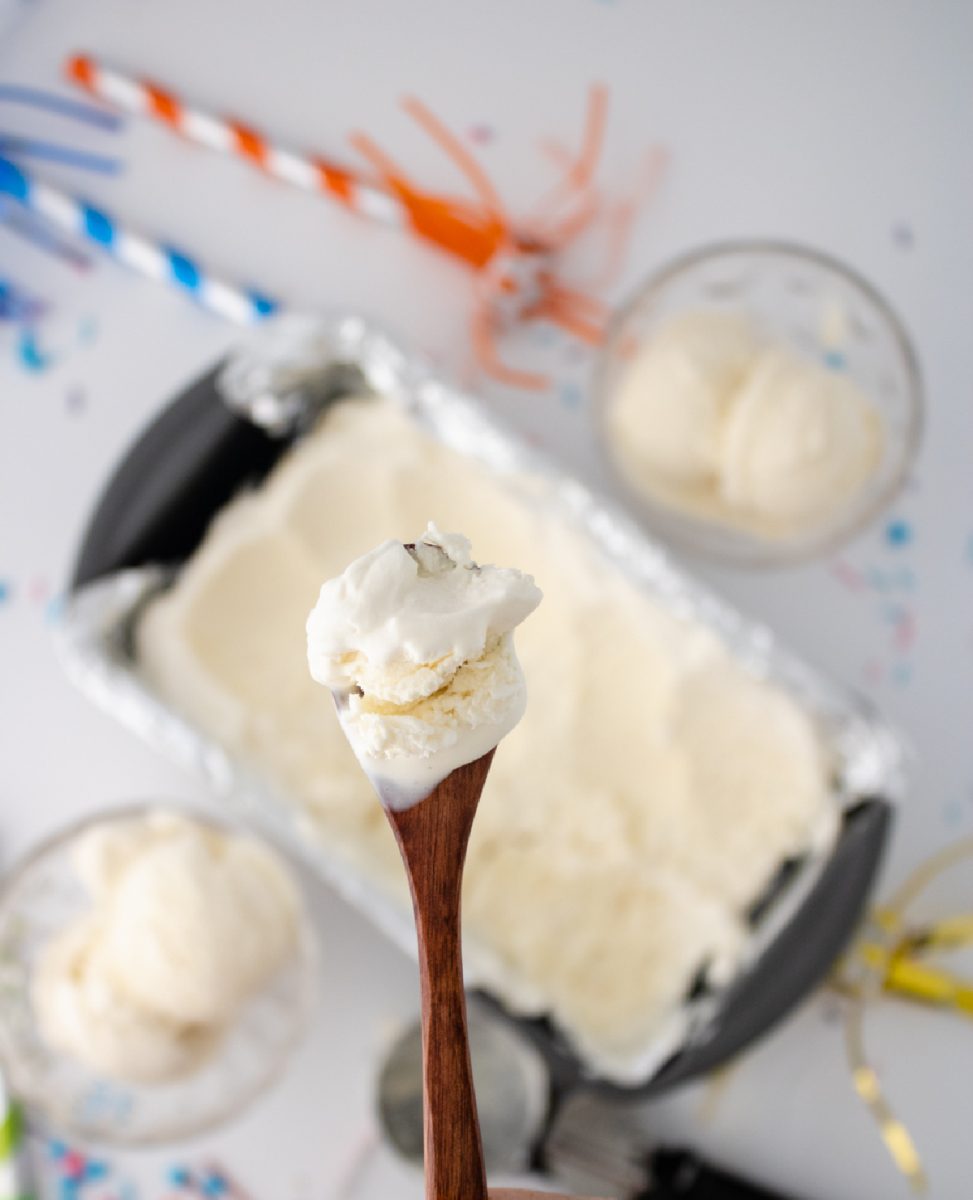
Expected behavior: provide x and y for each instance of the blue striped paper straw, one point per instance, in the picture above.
(34, 229)
(152, 259)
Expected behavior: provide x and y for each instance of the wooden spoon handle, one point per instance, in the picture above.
(432, 837)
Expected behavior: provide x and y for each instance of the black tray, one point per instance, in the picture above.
(155, 509)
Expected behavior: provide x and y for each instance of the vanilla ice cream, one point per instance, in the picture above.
(649, 794)
(712, 418)
(187, 923)
(416, 642)
(798, 443)
(667, 417)
(82, 1013)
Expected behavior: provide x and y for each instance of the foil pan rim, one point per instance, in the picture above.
(94, 643)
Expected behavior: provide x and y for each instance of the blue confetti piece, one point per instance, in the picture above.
(96, 1168)
(104, 1099)
(214, 1185)
(179, 1176)
(54, 610)
(898, 532)
(835, 360)
(55, 1147)
(31, 356)
(902, 674)
(571, 396)
(69, 1189)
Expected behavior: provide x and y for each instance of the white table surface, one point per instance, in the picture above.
(845, 126)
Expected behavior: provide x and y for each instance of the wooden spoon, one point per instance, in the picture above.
(432, 836)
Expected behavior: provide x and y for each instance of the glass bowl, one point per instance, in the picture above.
(818, 307)
(37, 899)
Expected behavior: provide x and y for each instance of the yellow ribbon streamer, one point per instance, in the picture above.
(888, 961)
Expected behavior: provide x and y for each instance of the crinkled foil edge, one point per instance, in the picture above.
(95, 643)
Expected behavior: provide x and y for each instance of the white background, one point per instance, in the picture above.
(846, 126)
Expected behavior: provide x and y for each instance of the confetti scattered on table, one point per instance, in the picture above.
(75, 399)
(905, 631)
(47, 340)
(571, 396)
(54, 609)
(38, 590)
(872, 672)
(847, 575)
(205, 1182)
(481, 134)
(898, 532)
(902, 236)
(30, 355)
(82, 1176)
(889, 584)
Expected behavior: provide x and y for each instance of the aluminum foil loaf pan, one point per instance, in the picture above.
(207, 478)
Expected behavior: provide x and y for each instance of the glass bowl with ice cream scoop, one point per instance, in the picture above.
(757, 403)
(156, 970)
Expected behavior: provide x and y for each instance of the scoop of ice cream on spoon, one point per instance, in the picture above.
(415, 641)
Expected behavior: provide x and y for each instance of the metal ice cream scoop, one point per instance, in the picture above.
(533, 1118)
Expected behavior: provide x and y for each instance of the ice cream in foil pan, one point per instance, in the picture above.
(681, 834)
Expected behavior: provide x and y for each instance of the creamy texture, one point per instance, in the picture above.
(673, 398)
(798, 443)
(416, 643)
(713, 419)
(186, 924)
(648, 795)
